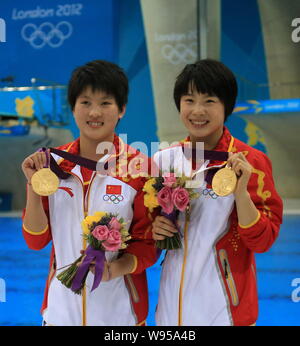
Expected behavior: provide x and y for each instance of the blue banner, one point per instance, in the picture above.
(48, 105)
(46, 40)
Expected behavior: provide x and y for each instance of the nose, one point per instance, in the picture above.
(95, 111)
(199, 110)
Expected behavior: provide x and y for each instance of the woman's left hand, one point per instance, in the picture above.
(106, 272)
(242, 169)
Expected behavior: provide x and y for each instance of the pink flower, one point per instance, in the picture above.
(114, 224)
(180, 198)
(169, 180)
(101, 232)
(164, 198)
(113, 241)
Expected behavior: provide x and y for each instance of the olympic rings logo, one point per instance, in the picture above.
(180, 53)
(46, 33)
(209, 192)
(115, 199)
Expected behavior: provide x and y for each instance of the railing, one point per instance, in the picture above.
(249, 90)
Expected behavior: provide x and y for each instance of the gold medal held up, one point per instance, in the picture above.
(224, 182)
(44, 182)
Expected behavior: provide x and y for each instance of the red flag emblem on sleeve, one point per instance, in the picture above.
(113, 189)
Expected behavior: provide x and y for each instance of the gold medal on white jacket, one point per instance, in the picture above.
(44, 182)
(224, 182)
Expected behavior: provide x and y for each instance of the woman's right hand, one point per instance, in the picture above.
(34, 163)
(162, 228)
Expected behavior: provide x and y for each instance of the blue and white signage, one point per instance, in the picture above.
(47, 39)
(267, 106)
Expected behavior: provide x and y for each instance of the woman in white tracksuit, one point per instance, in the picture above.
(211, 280)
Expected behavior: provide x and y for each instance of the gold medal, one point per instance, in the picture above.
(44, 182)
(224, 182)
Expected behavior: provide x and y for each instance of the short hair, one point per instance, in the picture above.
(99, 75)
(209, 77)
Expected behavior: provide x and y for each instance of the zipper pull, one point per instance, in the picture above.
(225, 268)
(187, 213)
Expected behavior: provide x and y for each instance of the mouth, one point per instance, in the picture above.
(199, 124)
(95, 124)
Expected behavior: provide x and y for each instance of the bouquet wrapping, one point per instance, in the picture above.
(170, 193)
(103, 232)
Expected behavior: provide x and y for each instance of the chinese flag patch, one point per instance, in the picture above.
(113, 189)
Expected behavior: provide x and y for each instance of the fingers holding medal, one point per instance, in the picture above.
(36, 169)
(234, 177)
(33, 163)
(240, 166)
(242, 169)
(40, 160)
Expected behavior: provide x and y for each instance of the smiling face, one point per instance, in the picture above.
(203, 116)
(96, 114)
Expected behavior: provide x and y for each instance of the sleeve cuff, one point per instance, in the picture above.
(135, 264)
(36, 233)
(252, 223)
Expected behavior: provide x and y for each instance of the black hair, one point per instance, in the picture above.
(99, 75)
(209, 77)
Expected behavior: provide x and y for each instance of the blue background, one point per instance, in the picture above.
(91, 38)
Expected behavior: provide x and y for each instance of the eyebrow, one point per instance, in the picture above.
(108, 97)
(192, 94)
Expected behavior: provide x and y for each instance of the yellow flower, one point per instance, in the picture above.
(150, 201)
(85, 227)
(124, 232)
(148, 186)
(90, 219)
(100, 214)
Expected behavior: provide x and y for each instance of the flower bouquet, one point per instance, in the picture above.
(103, 232)
(171, 194)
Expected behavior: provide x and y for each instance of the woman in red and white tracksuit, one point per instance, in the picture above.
(211, 280)
(97, 95)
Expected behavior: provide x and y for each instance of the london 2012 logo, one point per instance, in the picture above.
(2, 30)
(179, 53)
(46, 34)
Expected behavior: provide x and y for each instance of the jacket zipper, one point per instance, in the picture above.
(85, 211)
(185, 234)
(228, 277)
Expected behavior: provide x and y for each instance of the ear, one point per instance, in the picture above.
(122, 112)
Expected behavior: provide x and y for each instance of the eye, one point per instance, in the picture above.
(84, 102)
(106, 103)
(210, 101)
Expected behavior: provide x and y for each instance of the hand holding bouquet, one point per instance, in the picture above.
(169, 193)
(103, 232)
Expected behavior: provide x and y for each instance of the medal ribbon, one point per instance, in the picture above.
(210, 155)
(87, 163)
